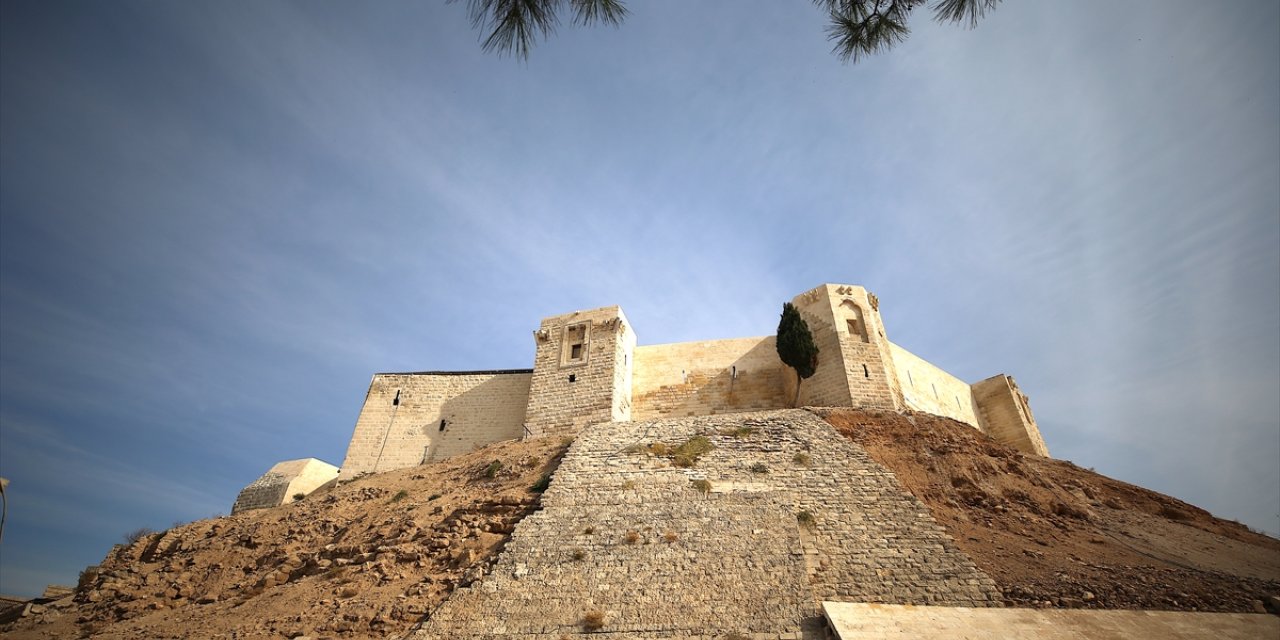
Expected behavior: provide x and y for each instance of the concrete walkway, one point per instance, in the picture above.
(905, 622)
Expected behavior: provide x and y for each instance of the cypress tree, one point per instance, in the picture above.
(795, 346)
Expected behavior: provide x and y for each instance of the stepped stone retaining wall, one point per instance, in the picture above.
(630, 536)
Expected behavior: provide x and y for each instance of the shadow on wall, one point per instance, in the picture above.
(489, 412)
(755, 380)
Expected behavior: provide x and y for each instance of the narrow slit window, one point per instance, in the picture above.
(865, 372)
(443, 424)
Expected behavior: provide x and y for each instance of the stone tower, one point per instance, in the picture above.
(581, 371)
(855, 365)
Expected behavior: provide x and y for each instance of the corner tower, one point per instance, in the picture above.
(855, 366)
(581, 371)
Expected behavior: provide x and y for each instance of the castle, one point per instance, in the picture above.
(588, 368)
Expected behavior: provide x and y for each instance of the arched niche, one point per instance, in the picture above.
(854, 321)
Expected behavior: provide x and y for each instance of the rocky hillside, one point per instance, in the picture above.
(1053, 534)
(372, 558)
(367, 559)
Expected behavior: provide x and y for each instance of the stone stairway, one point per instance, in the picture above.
(790, 514)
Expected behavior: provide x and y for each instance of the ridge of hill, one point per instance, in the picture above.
(376, 556)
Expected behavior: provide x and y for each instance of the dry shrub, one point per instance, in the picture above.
(593, 620)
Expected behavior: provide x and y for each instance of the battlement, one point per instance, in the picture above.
(588, 369)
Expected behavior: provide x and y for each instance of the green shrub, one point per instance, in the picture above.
(701, 486)
(298, 496)
(400, 495)
(738, 432)
(686, 455)
(801, 459)
(434, 496)
(543, 483)
(759, 467)
(492, 470)
(806, 519)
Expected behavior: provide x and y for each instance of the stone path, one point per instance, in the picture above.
(791, 513)
(897, 622)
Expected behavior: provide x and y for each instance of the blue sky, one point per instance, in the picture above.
(218, 219)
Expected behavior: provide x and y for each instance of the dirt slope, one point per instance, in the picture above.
(1053, 534)
(364, 560)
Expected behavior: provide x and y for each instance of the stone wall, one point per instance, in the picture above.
(284, 481)
(581, 371)
(628, 535)
(1006, 415)
(411, 418)
(927, 388)
(705, 378)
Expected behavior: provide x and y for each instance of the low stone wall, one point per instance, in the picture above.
(629, 536)
(893, 622)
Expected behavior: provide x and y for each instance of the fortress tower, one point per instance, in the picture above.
(855, 364)
(581, 371)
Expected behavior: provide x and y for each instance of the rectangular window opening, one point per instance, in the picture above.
(573, 377)
(865, 372)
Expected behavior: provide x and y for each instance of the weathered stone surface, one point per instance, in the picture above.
(877, 622)
(626, 534)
